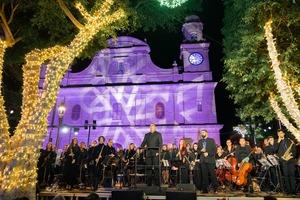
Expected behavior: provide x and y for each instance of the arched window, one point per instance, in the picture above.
(76, 112)
(117, 111)
(160, 110)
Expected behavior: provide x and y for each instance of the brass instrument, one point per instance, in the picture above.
(288, 153)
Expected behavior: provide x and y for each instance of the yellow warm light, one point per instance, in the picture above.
(285, 90)
(19, 154)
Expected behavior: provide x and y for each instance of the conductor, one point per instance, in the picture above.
(152, 142)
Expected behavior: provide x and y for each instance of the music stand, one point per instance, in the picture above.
(159, 165)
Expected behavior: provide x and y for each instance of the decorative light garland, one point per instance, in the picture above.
(285, 91)
(282, 117)
(172, 3)
(20, 155)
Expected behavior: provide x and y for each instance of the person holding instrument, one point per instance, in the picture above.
(207, 151)
(152, 142)
(286, 151)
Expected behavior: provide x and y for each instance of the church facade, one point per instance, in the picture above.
(121, 92)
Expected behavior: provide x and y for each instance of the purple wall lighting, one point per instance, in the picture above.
(124, 92)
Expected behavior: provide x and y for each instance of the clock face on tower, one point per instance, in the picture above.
(196, 58)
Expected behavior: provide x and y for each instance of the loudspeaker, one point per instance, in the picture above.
(181, 195)
(127, 194)
(186, 187)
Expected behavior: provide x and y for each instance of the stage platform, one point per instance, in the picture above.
(106, 194)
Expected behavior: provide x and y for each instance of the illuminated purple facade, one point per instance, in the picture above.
(124, 92)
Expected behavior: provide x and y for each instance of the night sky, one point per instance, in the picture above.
(165, 48)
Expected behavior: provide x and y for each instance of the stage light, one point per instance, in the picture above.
(65, 129)
(76, 133)
(11, 112)
(269, 127)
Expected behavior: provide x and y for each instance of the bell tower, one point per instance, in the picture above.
(194, 50)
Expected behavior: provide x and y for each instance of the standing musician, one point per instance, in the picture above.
(71, 167)
(207, 151)
(197, 176)
(152, 142)
(129, 159)
(91, 164)
(46, 168)
(83, 155)
(183, 164)
(165, 158)
(286, 151)
(110, 164)
(98, 157)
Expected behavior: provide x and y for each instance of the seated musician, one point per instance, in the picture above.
(270, 148)
(129, 159)
(173, 171)
(243, 152)
(220, 153)
(165, 158)
(229, 149)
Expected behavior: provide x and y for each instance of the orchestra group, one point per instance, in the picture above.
(271, 166)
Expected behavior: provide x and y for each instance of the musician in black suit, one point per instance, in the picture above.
(242, 151)
(71, 164)
(286, 146)
(98, 157)
(207, 152)
(129, 161)
(243, 155)
(91, 164)
(82, 162)
(109, 164)
(152, 142)
(46, 165)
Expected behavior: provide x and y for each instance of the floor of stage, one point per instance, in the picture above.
(105, 193)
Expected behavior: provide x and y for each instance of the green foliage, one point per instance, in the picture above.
(247, 65)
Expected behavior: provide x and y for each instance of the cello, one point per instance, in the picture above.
(242, 174)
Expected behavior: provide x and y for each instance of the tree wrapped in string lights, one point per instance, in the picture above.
(286, 90)
(19, 153)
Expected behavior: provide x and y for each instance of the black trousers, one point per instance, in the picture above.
(288, 172)
(197, 177)
(152, 170)
(208, 176)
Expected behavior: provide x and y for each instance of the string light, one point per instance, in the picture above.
(172, 3)
(282, 117)
(285, 91)
(21, 152)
